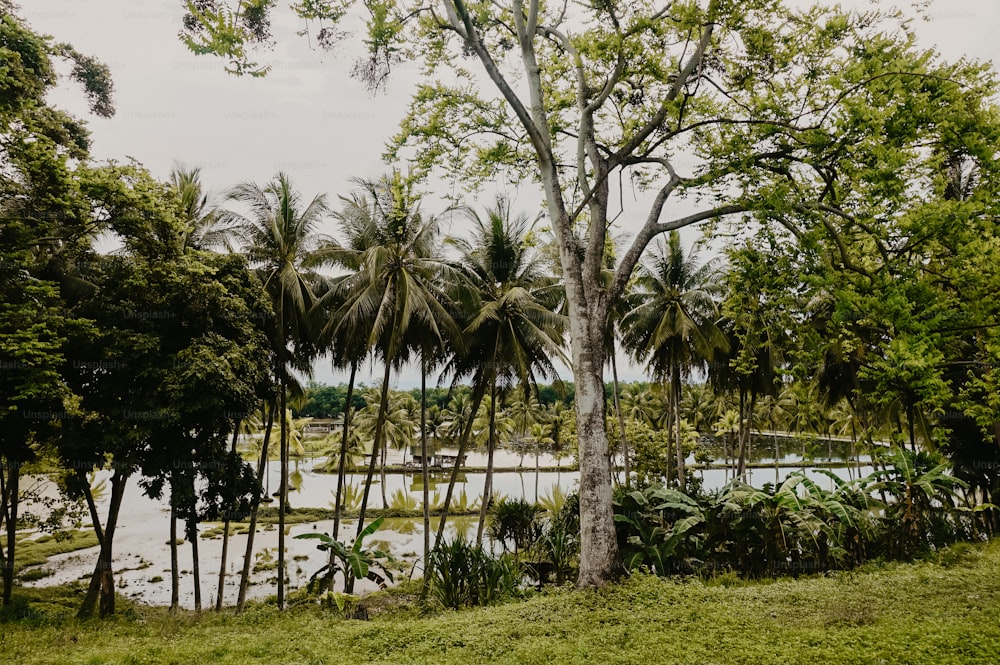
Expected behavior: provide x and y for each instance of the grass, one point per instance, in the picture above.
(945, 610)
(35, 552)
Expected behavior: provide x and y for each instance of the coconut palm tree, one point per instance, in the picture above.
(202, 228)
(279, 237)
(395, 294)
(513, 332)
(671, 321)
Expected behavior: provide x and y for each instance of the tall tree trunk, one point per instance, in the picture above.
(382, 482)
(490, 447)
(342, 467)
(425, 476)
(478, 392)
(261, 470)
(102, 581)
(175, 581)
(11, 492)
(621, 418)
(283, 489)
(225, 532)
(383, 408)
(668, 464)
(192, 534)
(675, 386)
(598, 544)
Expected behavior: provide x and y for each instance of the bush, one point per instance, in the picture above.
(466, 575)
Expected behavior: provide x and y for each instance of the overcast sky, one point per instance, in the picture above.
(307, 117)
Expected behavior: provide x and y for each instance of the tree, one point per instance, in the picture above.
(395, 294)
(671, 324)
(783, 113)
(512, 332)
(279, 239)
(44, 224)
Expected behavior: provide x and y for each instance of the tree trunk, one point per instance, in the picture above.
(621, 417)
(342, 467)
(11, 491)
(477, 399)
(102, 581)
(425, 476)
(490, 447)
(741, 458)
(175, 582)
(225, 533)
(675, 386)
(598, 544)
(192, 534)
(282, 491)
(261, 469)
(383, 408)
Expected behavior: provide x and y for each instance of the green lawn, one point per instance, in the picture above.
(947, 611)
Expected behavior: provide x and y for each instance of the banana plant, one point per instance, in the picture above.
(354, 562)
(659, 524)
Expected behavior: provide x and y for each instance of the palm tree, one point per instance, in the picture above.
(513, 332)
(670, 323)
(202, 228)
(279, 237)
(395, 294)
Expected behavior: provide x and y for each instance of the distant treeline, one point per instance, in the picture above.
(323, 401)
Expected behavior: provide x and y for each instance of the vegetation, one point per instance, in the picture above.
(846, 181)
(943, 610)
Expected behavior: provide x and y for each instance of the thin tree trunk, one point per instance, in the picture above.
(425, 476)
(12, 491)
(668, 464)
(383, 408)
(342, 462)
(477, 398)
(282, 490)
(342, 467)
(225, 533)
(621, 417)
(490, 447)
(261, 470)
(382, 482)
(102, 581)
(536, 471)
(676, 389)
(175, 582)
(741, 459)
(909, 419)
(192, 534)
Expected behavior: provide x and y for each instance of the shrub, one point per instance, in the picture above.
(466, 575)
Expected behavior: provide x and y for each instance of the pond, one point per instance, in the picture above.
(142, 559)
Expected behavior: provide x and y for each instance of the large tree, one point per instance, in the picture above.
(715, 108)
(279, 237)
(512, 333)
(394, 297)
(44, 224)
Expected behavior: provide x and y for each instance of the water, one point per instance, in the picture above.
(142, 559)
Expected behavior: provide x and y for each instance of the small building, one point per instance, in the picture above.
(437, 459)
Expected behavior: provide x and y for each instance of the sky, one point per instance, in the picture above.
(307, 117)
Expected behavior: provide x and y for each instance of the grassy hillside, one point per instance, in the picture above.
(941, 611)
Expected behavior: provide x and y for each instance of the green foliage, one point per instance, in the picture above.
(466, 575)
(354, 561)
(919, 613)
(797, 526)
(514, 523)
